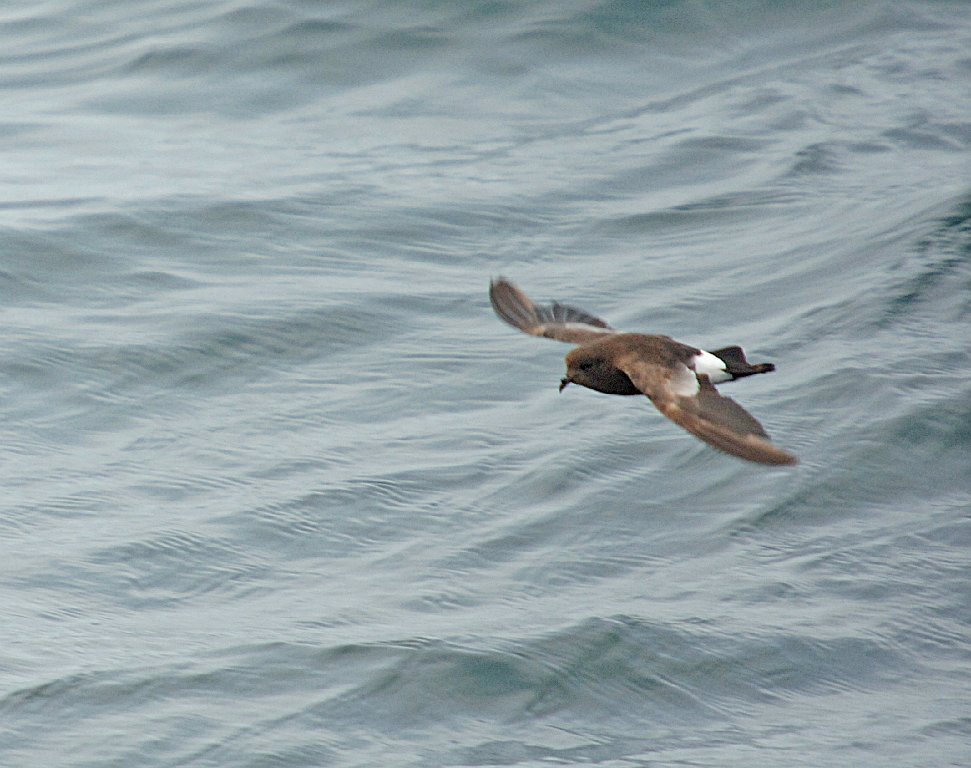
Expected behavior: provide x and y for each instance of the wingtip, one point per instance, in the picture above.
(496, 284)
(513, 306)
(770, 454)
(785, 459)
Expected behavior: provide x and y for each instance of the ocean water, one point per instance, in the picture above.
(280, 490)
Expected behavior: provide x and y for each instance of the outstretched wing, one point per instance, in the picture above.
(692, 402)
(554, 321)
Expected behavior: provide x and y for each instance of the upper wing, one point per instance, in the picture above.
(554, 321)
(693, 403)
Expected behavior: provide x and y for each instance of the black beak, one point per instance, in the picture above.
(563, 383)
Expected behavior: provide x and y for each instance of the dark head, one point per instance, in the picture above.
(594, 369)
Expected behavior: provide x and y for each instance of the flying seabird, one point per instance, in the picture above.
(677, 378)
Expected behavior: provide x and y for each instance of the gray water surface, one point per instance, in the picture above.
(280, 489)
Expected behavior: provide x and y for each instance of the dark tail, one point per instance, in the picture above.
(737, 365)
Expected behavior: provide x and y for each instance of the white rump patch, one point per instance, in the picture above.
(713, 367)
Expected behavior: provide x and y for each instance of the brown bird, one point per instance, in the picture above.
(679, 379)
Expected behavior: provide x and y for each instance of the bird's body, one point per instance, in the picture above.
(679, 379)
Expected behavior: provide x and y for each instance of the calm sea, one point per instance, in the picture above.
(280, 490)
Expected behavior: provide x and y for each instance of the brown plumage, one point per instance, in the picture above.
(678, 379)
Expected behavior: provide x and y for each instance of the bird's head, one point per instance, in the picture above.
(593, 367)
(586, 369)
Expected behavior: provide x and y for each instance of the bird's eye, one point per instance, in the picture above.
(586, 365)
